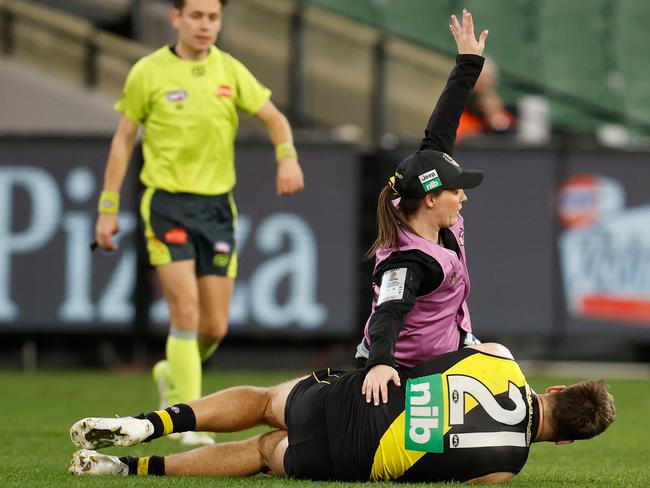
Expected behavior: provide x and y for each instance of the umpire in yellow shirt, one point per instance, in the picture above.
(186, 97)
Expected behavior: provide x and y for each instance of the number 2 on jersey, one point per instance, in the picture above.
(458, 387)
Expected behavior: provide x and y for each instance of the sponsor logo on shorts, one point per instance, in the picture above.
(177, 96)
(222, 247)
(220, 260)
(176, 236)
(225, 91)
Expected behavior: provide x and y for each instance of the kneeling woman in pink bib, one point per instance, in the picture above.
(421, 282)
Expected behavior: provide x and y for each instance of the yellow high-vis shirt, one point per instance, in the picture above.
(189, 113)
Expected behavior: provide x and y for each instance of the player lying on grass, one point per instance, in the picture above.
(468, 415)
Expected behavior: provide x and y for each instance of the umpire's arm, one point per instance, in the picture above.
(289, 177)
(118, 162)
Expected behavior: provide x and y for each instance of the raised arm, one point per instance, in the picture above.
(440, 134)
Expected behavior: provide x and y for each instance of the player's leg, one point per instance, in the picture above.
(262, 453)
(243, 407)
(216, 266)
(182, 367)
(229, 410)
(215, 295)
(171, 250)
(180, 289)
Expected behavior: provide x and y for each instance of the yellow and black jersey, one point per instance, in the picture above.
(459, 416)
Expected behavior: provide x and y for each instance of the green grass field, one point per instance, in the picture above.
(38, 409)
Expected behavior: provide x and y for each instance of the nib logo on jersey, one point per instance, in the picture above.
(604, 251)
(424, 414)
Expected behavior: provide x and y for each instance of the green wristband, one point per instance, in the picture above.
(285, 150)
(109, 203)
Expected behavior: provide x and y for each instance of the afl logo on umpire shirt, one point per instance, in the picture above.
(176, 96)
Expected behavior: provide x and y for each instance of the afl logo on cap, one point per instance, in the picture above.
(450, 160)
(583, 199)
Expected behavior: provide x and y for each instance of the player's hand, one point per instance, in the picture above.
(464, 35)
(107, 226)
(376, 383)
(289, 178)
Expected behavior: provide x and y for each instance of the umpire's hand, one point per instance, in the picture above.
(107, 226)
(289, 178)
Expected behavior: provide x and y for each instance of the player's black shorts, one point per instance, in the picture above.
(333, 432)
(180, 226)
(308, 455)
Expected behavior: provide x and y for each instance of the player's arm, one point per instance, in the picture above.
(116, 167)
(440, 134)
(289, 177)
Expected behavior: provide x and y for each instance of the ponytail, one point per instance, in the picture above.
(391, 220)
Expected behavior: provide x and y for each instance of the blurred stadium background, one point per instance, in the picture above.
(558, 235)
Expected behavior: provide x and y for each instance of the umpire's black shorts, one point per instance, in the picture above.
(308, 455)
(182, 226)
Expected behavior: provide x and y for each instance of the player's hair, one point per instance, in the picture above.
(179, 4)
(581, 411)
(391, 220)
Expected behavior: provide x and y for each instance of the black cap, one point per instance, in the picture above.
(426, 171)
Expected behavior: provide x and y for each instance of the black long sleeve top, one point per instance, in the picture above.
(423, 273)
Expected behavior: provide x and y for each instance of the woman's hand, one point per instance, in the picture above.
(376, 383)
(464, 35)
